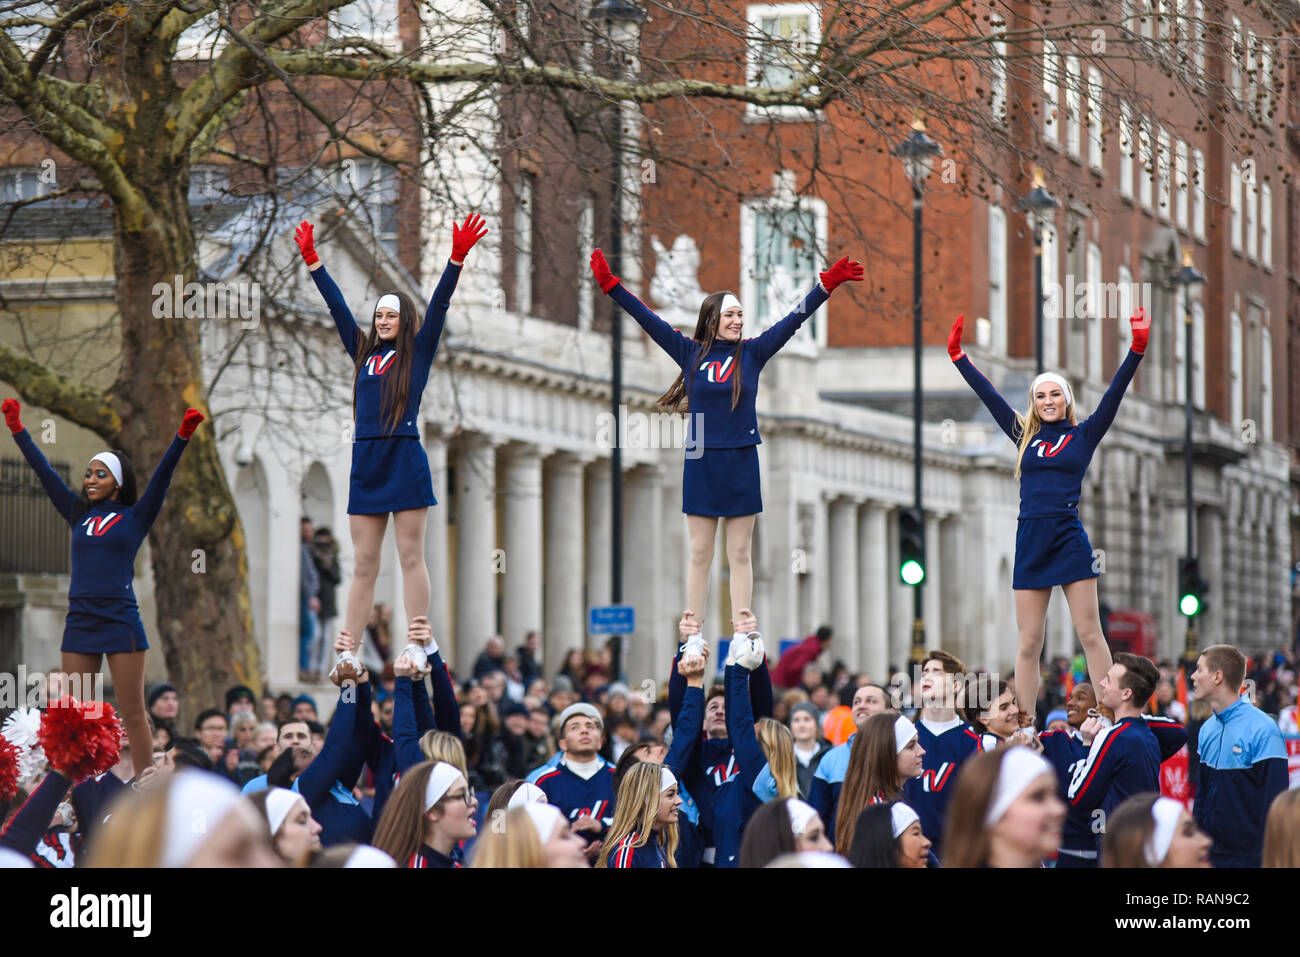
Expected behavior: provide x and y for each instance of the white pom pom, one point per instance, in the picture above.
(21, 729)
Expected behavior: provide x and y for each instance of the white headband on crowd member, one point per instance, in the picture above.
(1020, 767)
(729, 302)
(901, 817)
(544, 818)
(441, 778)
(279, 802)
(1058, 379)
(363, 855)
(196, 805)
(112, 461)
(389, 301)
(801, 815)
(666, 779)
(1166, 812)
(527, 793)
(904, 731)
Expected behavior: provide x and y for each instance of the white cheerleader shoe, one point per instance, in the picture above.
(346, 658)
(693, 650)
(419, 655)
(752, 652)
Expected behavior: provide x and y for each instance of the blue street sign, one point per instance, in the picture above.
(612, 620)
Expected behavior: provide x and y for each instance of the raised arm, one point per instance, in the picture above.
(679, 347)
(33, 818)
(329, 290)
(446, 709)
(406, 734)
(1095, 426)
(63, 498)
(740, 727)
(1003, 414)
(146, 509)
(690, 721)
(316, 780)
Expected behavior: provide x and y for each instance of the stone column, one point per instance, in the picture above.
(598, 545)
(933, 582)
(873, 573)
(476, 541)
(648, 648)
(843, 541)
(563, 507)
(521, 591)
(435, 545)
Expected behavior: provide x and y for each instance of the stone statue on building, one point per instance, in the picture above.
(675, 287)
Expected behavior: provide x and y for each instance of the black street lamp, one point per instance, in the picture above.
(918, 153)
(623, 23)
(1184, 280)
(1040, 205)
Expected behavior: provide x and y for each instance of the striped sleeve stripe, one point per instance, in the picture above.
(1097, 764)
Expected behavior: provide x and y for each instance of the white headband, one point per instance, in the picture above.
(527, 793)
(112, 461)
(666, 779)
(196, 805)
(442, 777)
(366, 856)
(1058, 379)
(1020, 768)
(544, 818)
(728, 301)
(389, 301)
(904, 731)
(901, 815)
(1166, 812)
(279, 802)
(801, 815)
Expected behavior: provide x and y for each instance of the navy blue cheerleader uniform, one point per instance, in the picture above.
(103, 616)
(649, 854)
(1051, 546)
(390, 470)
(428, 857)
(945, 750)
(720, 477)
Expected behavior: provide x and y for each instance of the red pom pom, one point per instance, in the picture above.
(8, 769)
(80, 739)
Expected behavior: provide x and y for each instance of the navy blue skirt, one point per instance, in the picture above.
(722, 483)
(1051, 551)
(389, 475)
(103, 626)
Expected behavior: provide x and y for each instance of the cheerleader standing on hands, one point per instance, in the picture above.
(720, 478)
(1051, 546)
(390, 470)
(108, 526)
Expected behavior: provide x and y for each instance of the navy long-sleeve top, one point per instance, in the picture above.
(1123, 760)
(340, 816)
(681, 755)
(414, 714)
(735, 802)
(1052, 470)
(31, 822)
(649, 854)
(928, 794)
(709, 382)
(107, 535)
(371, 422)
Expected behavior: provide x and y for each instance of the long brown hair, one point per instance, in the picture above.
(966, 838)
(397, 383)
(400, 831)
(1128, 828)
(873, 769)
(677, 398)
(635, 810)
(1282, 831)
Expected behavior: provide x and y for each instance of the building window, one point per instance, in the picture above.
(1266, 385)
(207, 184)
(1051, 89)
(1146, 165)
(1095, 131)
(1124, 279)
(1095, 297)
(1180, 346)
(1164, 166)
(1180, 184)
(998, 73)
(1236, 55)
(1252, 78)
(586, 243)
(1266, 224)
(781, 38)
(1126, 151)
(201, 40)
(1234, 374)
(374, 20)
(1250, 203)
(22, 182)
(1198, 39)
(1073, 106)
(782, 240)
(1265, 75)
(523, 227)
(1051, 297)
(1147, 20)
(1234, 204)
(1198, 193)
(998, 279)
(372, 187)
(1198, 354)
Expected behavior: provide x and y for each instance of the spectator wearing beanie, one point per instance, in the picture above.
(809, 745)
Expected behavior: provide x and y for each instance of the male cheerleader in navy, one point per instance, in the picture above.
(720, 479)
(109, 526)
(390, 470)
(1052, 547)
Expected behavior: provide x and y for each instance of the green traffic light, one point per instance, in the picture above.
(1189, 605)
(912, 572)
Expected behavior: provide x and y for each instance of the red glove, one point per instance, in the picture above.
(1141, 324)
(954, 339)
(842, 271)
(306, 243)
(600, 269)
(464, 236)
(11, 408)
(191, 422)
